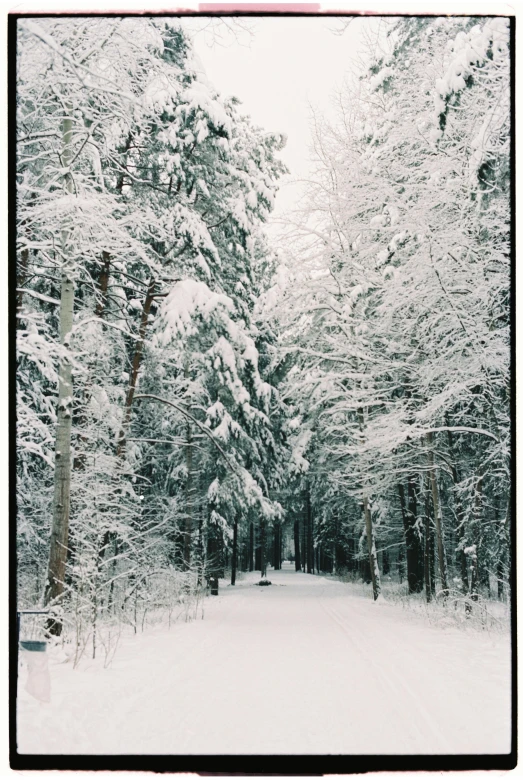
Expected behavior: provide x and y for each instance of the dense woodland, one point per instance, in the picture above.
(194, 399)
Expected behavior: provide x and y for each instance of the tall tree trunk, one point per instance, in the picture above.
(234, 563)
(474, 554)
(412, 540)
(427, 562)
(303, 530)
(187, 538)
(432, 561)
(371, 541)
(310, 550)
(201, 533)
(406, 534)
(263, 542)
(438, 519)
(297, 558)
(62, 473)
(416, 537)
(251, 546)
(401, 564)
(82, 417)
(135, 367)
(503, 546)
(460, 515)
(103, 284)
(133, 379)
(386, 562)
(371, 544)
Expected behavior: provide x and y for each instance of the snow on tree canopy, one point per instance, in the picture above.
(188, 300)
(470, 51)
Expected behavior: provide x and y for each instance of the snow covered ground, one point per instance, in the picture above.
(299, 667)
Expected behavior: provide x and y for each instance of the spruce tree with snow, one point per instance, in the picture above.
(161, 181)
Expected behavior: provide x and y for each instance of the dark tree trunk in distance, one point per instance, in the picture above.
(297, 558)
(428, 568)
(263, 561)
(251, 546)
(412, 540)
(234, 553)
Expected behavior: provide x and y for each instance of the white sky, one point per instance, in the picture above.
(286, 66)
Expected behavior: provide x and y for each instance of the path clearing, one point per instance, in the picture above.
(299, 667)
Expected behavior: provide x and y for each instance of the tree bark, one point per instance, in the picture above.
(251, 546)
(427, 566)
(135, 367)
(386, 562)
(412, 540)
(81, 420)
(297, 558)
(133, 379)
(310, 552)
(279, 546)
(474, 555)
(103, 284)
(438, 519)
(187, 534)
(371, 544)
(263, 559)
(62, 474)
(460, 530)
(234, 563)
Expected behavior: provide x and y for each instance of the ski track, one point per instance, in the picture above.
(300, 667)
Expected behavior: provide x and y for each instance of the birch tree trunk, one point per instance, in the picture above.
(371, 544)
(62, 473)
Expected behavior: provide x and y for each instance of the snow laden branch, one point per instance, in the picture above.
(189, 416)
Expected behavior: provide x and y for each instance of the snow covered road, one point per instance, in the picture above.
(299, 667)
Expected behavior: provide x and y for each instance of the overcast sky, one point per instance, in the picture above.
(279, 71)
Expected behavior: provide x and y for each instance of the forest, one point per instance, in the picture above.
(198, 396)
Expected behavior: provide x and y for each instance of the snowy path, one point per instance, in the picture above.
(299, 667)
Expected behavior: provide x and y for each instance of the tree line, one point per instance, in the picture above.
(193, 397)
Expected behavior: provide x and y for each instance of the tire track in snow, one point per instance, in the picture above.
(398, 688)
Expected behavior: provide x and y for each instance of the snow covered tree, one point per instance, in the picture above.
(402, 302)
(135, 177)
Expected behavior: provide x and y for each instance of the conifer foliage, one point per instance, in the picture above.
(144, 427)
(194, 400)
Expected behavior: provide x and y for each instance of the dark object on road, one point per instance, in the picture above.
(213, 583)
(265, 582)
